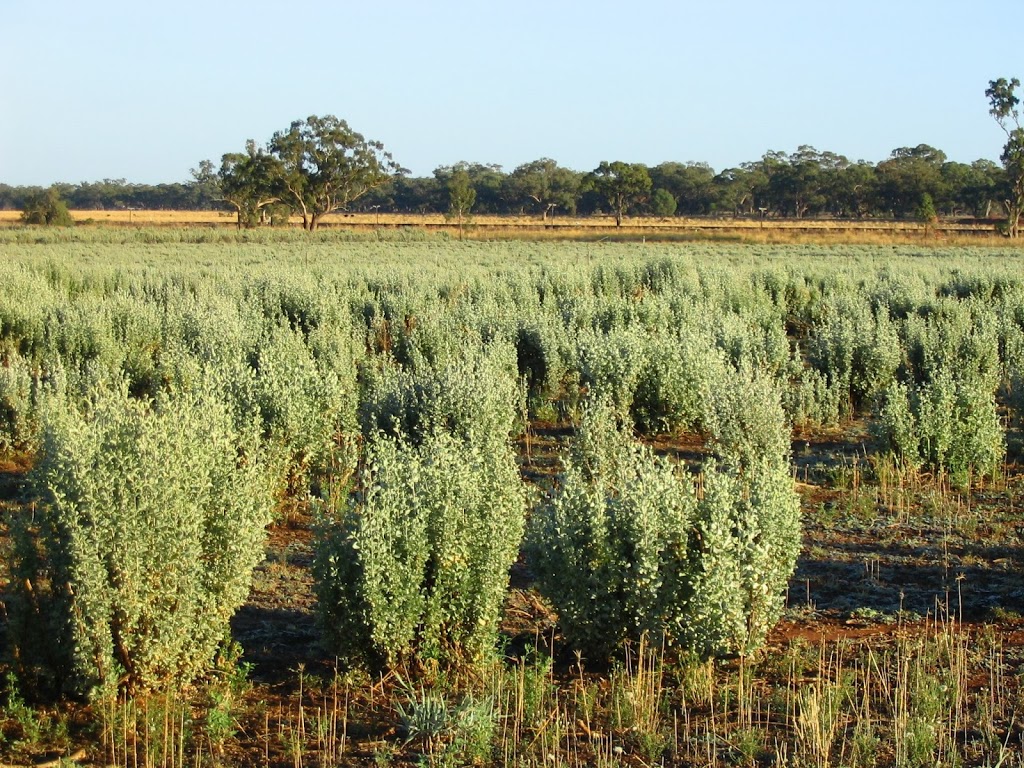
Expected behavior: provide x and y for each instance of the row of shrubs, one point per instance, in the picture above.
(302, 351)
(151, 513)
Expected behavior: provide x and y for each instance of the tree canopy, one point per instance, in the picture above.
(48, 209)
(1003, 103)
(461, 197)
(251, 181)
(326, 166)
(320, 165)
(544, 186)
(620, 184)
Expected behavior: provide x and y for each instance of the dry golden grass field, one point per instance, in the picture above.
(490, 227)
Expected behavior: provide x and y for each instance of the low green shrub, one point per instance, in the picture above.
(16, 407)
(610, 365)
(626, 547)
(539, 359)
(610, 549)
(672, 386)
(748, 524)
(416, 566)
(948, 424)
(810, 398)
(744, 549)
(150, 521)
(1013, 373)
(306, 407)
(746, 423)
(478, 395)
(856, 350)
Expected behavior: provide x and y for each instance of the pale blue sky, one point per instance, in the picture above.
(145, 90)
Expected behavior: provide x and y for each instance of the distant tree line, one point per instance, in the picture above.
(320, 165)
(804, 183)
(118, 194)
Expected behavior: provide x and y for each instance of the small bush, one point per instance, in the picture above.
(305, 407)
(856, 351)
(626, 548)
(744, 552)
(16, 408)
(538, 357)
(149, 525)
(476, 396)
(610, 549)
(1013, 377)
(673, 385)
(417, 565)
(611, 364)
(746, 422)
(810, 399)
(948, 424)
(748, 523)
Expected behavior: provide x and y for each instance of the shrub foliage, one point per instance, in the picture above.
(626, 546)
(418, 563)
(149, 524)
(611, 548)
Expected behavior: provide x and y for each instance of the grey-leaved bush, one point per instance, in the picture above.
(748, 522)
(626, 546)
(610, 549)
(150, 521)
(417, 566)
(744, 552)
(948, 424)
(476, 394)
(15, 403)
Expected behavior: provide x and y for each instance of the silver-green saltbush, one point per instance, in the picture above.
(810, 399)
(625, 546)
(1013, 374)
(417, 565)
(477, 395)
(744, 552)
(959, 338)
(746, 423)
(26, 390)
(610, 365)
(948, 424)
(672, 387)
(305, 406)
(857, 352)
(16, 408)
(150, 521)
(610, 549)
(942, 415)
(750, 335)
(539, 351)
(748, 522)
